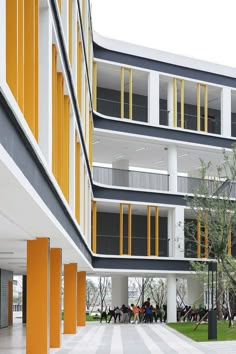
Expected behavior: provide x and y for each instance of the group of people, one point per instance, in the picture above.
(147, 313)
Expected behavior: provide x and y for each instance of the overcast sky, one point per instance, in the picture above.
(203, 29)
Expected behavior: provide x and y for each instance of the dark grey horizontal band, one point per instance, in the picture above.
(137, 196)
(150, 64)
(142, 264)
(160, 132)
(18, 147)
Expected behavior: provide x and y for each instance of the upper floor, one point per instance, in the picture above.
(163, 90)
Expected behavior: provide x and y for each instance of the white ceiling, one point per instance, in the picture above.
(155, 154)
(22, 218)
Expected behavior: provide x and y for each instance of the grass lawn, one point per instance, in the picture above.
(92, 318)
(201, 333)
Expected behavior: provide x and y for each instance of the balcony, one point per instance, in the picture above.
(158, 182)
(131, 179)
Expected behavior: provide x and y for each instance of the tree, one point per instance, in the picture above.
(214, 209)
(91, 293)
(104, 286)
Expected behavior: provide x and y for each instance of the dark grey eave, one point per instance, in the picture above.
(150, 64)
(160, 132)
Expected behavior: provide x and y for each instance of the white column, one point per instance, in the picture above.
(172, 168)
(195, 292)
(171, 298)
(72, 163)
(119, 291)
(120, 173)
(153, 98)
(45, 84)
(3, 41)
(65, 21)
(170, 102)
(226, 112)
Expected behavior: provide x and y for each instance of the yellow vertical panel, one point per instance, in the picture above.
(156, 231)
(182, 103)
(79, 75)
(11, 45)
(20, 54)
(31, 65)
(206, 108)
(121, 228)
(59, 4)
(174, 103)
(65, 149)
(95, 86)
(198, 107)
(94, 203)
(38, 263)
(70, 30)
(129, 229)
(122, 93)
(77, 180)
(198, 238)
(36, 67)
(10, 303)
(130, 94)
(148, 230)
(55, 298)
(60, 114)
(54, 110)
(70, 298)
(81, 299)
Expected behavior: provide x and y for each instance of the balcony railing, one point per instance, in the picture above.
(132, 179)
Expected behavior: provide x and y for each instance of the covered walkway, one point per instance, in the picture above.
(117, 339)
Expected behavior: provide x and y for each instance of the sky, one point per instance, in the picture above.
(202, 29)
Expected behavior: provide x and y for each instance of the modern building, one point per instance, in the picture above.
(100, 142)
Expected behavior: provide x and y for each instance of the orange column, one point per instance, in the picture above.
(31, 65)
(20, 54)
(55, 298)
(11, 45)
(148, 230)
(65, 149)
(37, 327)
(70, 298)
(10, 303)
(94, 239)
(81, 299)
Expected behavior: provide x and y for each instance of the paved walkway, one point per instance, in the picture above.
(118, 339)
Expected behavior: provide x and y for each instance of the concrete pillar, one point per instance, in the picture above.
(171, 298)
(195, 292)
(172, 168)
(70, 298)
(45, 84)
(38, 287)
(226, 112)
(176, 232)
(120, 173)
(170, 102)
(119, 291)
(81, 299)
(153, 98)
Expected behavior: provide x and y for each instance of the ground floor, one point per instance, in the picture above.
(117, 339)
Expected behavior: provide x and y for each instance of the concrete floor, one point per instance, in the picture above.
(118, 339)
